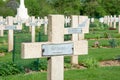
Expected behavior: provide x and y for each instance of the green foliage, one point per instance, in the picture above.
(4, 11)
(10, 69)
(92, 8)
(90, 62)
(107, 35)
(67, 66)
(112, 43)
(37, 65)
(3, 49)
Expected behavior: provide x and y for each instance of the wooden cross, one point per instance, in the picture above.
(114, 22)
(32, 22)
(67, 20)
(82, 25)
(2, 22)
(45, 24)
(119, 24)
(55, 48)
(108, 20)
(10, 27)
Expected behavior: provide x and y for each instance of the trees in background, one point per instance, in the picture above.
(92, 8)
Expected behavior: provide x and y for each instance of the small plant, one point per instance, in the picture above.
(10, 69)
(67, 66)
(107, 35)
(90, 62)
(112, 43)
(38, 65)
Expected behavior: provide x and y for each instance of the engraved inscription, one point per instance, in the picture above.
(74, 30)
(83, 23)
(57, 49)
(10, 27)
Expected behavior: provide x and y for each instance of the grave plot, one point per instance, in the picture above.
(55, 49)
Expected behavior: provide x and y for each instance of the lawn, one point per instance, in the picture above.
(102, 73)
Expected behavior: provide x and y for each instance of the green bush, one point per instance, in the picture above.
(38, 65)
(10, 69)
(112, 43)
(90, 62)
(67, 65)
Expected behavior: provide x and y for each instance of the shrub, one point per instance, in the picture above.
(38, 65)
(112, 43)
(90, 62)
(10, 69)
(67, 65)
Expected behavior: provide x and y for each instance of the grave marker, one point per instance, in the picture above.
(67, 20)
(85, 28)
(45, 24)
(56, 40)
(32, 23)
(111, 20)
(119, 24)
(1, 24)
(74, 24)
(108, 20)
(10, 27)
(92, 20)
(114, 23)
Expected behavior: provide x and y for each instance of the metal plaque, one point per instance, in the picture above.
(13, 27)
(83, 24)
(33, 24)
(1, 22)
(74, 30)
(57, 49)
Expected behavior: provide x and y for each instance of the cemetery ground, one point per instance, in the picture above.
(101, 63)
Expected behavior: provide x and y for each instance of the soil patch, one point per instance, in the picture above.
(110, 63)
(2, 54)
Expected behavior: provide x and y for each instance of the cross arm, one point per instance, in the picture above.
(34, 50)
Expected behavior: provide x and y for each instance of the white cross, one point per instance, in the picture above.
(55, 48)
(10, 27)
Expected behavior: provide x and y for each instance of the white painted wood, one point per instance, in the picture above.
(74, 24)
(119, 25)
(56, 35)
(10, 34)
(114, 23)
(1, 31)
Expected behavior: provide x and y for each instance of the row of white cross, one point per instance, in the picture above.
(112, 21)
(11, 23)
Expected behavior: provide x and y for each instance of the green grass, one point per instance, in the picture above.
(99, 54)
(102, 54)
(103, 73)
